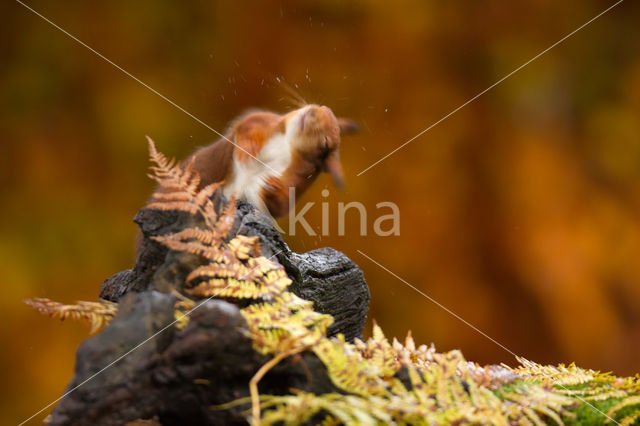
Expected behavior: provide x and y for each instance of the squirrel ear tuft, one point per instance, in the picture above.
(348, 126)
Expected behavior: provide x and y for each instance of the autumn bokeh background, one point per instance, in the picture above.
(521, 212)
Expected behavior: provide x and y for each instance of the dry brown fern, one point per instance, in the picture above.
(179, 188)
(235, 269)
(177, 184)
(98, 314)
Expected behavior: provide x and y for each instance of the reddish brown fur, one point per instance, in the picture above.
(299, 175)
(249, 132)
(253, 131)
(213, 162)
(313, 152)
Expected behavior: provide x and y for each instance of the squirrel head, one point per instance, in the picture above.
(316, 132)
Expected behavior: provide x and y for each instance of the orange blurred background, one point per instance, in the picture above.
(520, 213)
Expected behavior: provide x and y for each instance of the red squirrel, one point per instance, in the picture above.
(272, 153)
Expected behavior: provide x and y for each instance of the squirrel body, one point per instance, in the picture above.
(271, 153)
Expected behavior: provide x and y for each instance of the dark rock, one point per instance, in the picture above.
(334, 283)
(325, 276)
(142, 367)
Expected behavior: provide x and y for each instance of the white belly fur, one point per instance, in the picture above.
(249, 176)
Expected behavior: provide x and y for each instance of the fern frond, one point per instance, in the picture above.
(178, 190)
(250, 285)
(181, 309)
(537, 402)
(274, 328)
(420, 357)
(170, 205)
(348, 369)
(625, 403)
(293, 302)
(244, 247)
(380, 352)
(174, 179)
(227, 217)
(491, 376)
(98, 314)
(175, 241)
(302, 407)
(259, 278)
(560, 375)
(205, 194)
